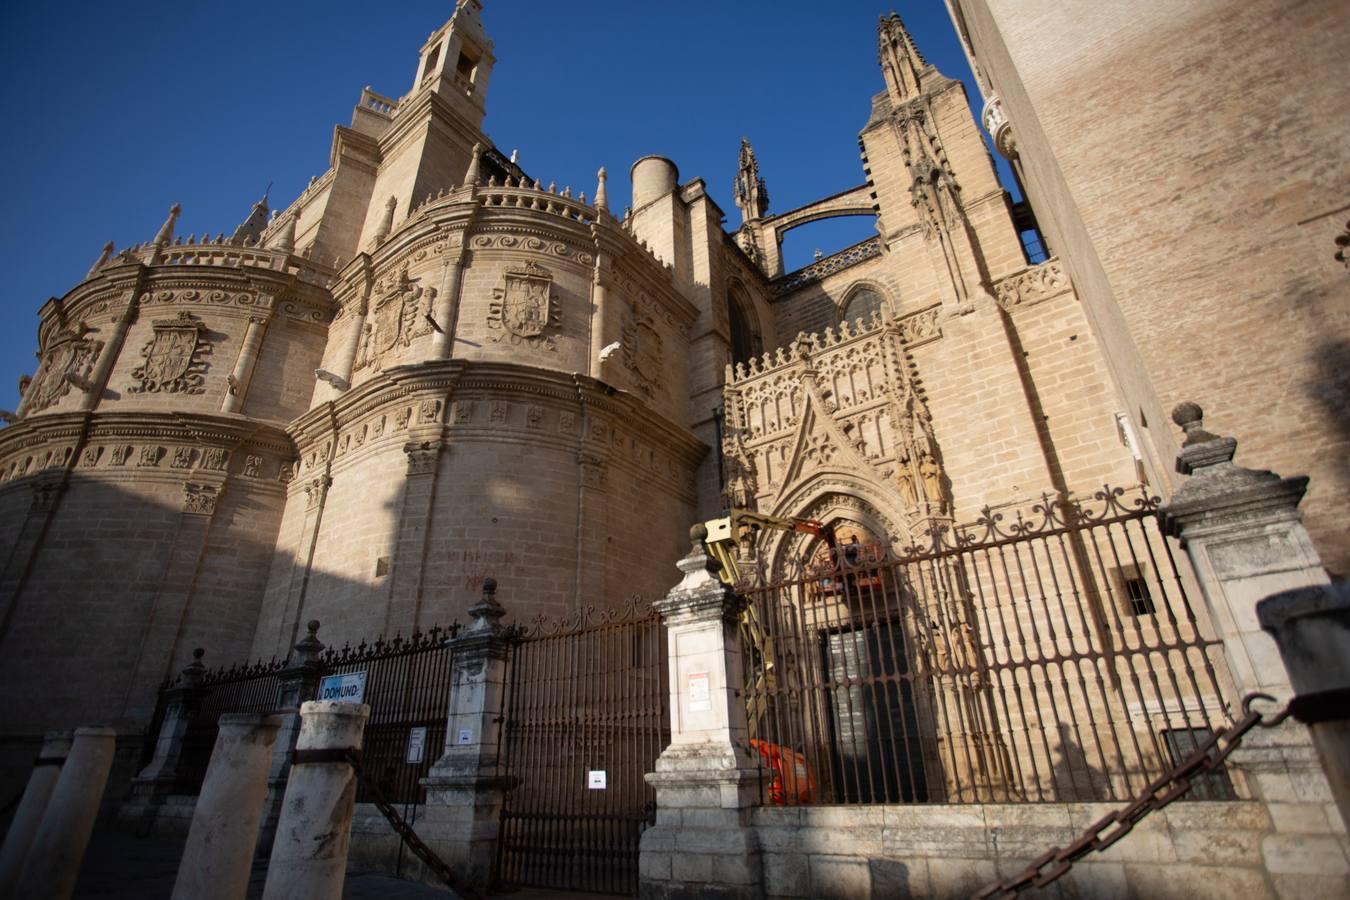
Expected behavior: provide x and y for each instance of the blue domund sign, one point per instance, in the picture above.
(349, 687)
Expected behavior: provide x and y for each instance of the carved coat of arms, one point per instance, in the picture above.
(172, 358)
(644, 354)
(524, 307)
(71, 354)
(401, 314)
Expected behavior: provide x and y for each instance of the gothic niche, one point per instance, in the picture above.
(525, 308)
(402, 313)
(70, 358)
(643, 353)
(172, 358)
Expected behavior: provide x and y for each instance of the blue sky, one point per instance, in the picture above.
(116, 111)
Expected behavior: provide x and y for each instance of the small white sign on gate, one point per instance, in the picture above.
(597, 779)
(417, 742)
(347, 688)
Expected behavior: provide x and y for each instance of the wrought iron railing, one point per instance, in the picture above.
(1050, 657)
(407, 687)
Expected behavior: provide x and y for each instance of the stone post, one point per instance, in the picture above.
(1312, 628)
(218, 858)
(244, 365)
(1245, 538)
(299, 682)
(465, 788)
(52, 865)
(27, 818)
(309, 858)
(706, 784)
(155, 782)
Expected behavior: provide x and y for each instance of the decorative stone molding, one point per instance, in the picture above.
(315, 490)
(921, 327)
(173, 361)
(837, 262)
(200, 499)
(997, 124)
(525, 308)
(1033, 285)
(593, 469)
(423, 456)
(401, 314)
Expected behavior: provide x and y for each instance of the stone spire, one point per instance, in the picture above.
(165, 234)
(284, 239)
(601, 193)
(102, 259)
(475, 171)
(901, 61)
(252, 228)
(387, 225)
(752, 197)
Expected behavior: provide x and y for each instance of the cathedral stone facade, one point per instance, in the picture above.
(433, 367)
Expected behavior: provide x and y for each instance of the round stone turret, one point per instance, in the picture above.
(653, 178)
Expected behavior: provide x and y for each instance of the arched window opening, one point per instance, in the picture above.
(863, 305)
(746, 341)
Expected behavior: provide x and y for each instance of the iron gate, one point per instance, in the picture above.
(586, 716)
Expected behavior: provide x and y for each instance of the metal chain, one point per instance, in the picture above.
(408, 836)
(1208, 757)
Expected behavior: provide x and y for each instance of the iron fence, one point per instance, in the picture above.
(585, 718)
(407, 688)
(1056, 657)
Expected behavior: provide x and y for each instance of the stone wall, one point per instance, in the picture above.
(1190, 851)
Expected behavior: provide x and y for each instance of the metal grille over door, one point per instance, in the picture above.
(586, 717)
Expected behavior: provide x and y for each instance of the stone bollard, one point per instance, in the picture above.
(309, 857)
(219, 854)
(52, 865)
(27, 818)
(1312, 628)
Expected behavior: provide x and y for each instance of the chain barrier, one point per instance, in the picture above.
(406, 833)
(1208, 757)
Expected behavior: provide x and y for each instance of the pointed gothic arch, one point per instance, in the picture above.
(862, 299)
(747, 334)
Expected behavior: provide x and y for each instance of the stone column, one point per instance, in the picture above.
(706, 784)
(299, 682)
(217, 860)
(465, 788)
(52, 865)
(309, 858)
(46, 769)
(1312, 629)
(1243, 533)
(155, 782)
(243, 366)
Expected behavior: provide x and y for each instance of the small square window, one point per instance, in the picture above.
(1135, 597)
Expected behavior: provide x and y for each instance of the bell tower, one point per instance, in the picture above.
(428, 140)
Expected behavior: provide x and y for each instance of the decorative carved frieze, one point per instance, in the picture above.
(253, 466)
(181, 458)
(200, 499)
(525, 308)
(1033, 285)
(149, 457)
(69, 359)
(423, 456)
(593, 469)
(173, 358)
(429, 412)
(921, 327)
(215, 458)
(535, 244)
(315, 490)
(534, 417)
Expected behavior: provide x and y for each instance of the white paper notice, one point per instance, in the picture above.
(700, 692)
(596, 780)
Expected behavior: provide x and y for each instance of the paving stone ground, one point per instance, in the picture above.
(120, 866)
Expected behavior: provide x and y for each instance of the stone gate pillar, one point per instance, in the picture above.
(153, 784)
(1245, 538)
(703, 842)
(465, 787)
